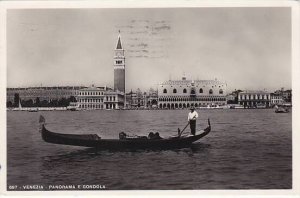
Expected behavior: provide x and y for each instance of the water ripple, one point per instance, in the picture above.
(247, 149)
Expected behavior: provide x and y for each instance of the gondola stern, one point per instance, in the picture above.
(42, 122)
(208, 129)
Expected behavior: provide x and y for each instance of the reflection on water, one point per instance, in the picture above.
(247, 149)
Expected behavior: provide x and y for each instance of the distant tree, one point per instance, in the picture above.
(72, 99)
(44, 103)
(9, 104)
(16, 100)
(232, 101)
(63, 102)
(27, 103)
(37, 102)
(53, 103)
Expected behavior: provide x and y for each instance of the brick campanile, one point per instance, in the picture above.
(119, 67)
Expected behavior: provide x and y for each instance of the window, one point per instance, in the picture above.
(221, 91)
(165, 91)
(184, 90)
(118, 62)
(201, 90)
(174, 91)
(210, 91)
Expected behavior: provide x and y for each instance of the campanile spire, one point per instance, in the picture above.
(119, 66)
(119, 44)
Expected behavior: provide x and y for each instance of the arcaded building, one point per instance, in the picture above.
(185, 93)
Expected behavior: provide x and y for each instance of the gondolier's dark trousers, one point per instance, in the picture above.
(193, 126)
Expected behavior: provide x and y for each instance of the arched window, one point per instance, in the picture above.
(201, 90)
(165, 90)
(193, 91)
(221, 91)
(210, 91)
(174, 91)
(184, 90)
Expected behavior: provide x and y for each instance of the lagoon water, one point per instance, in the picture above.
(246, 149)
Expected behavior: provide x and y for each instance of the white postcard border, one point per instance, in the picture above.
(5, 5)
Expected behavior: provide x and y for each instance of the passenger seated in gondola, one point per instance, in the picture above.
(153, 136)
(157, 136)
(122, 135)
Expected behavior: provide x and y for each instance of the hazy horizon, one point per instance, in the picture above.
(248, 48)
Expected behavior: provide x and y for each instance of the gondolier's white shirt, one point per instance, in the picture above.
(192, 116)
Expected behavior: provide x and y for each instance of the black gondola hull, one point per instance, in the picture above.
(94, 141)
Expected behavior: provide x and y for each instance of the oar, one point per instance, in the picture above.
(179, 133)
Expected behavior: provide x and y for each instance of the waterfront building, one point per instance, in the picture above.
(91, 98)
(230, 98)
(184, 93)
(254, 99)
(286, 94)
(114, 99)
(42, 93)
(142, 99)
(131, 100)
(136, 99)
(119, 67)
(152, 98)
(276, 99)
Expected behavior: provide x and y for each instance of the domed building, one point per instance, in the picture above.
(185, 93)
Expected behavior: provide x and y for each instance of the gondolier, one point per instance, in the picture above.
(193, 115)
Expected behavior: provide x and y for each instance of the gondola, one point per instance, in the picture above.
(281, 109)
(137, 142)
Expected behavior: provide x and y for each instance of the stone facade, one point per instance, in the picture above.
(91, 98)
(100, 98)
(276, 99)
(114, 100)
(184, 93)
(254, 99)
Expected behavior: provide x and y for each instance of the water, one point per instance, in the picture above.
(246, 149)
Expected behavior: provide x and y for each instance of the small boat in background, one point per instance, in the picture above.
(281, 109)
(213, 106)
(261, 106)
(33, 110)
(73, 106)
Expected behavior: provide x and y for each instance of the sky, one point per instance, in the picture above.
(248, 48)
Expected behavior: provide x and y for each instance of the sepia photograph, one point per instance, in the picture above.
(149, 98)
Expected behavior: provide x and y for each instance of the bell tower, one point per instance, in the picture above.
(119, 67)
